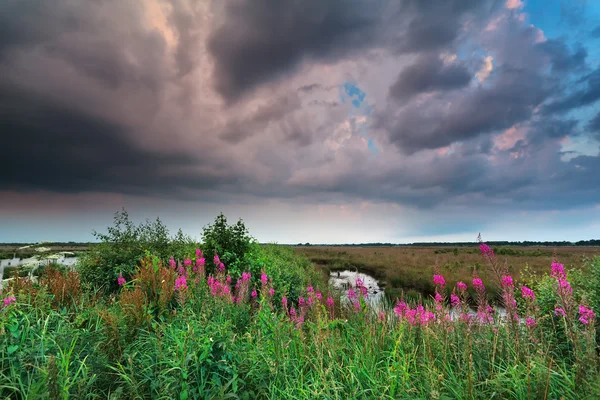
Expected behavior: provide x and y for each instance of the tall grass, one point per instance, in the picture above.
(173, 332)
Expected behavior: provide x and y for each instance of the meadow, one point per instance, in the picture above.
(146, 315)
(408, 269)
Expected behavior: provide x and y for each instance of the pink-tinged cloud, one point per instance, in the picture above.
(510, 137)
(514, 4)
(442, 151)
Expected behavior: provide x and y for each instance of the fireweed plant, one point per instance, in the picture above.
(184, 329)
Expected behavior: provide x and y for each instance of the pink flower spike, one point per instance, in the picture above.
(400, 308)
(181, 283)
(330, 301)
(187, 262)
(264, 279)
(486, 250)
(310, 289)
(586, 315)
(461, 286)
(216, 260)
(527, 293)
(558, 271)
(507, 281)
(454, 300)
(439, 280)
(284, 301)
(7, 301)
(559, 311)
(120, 280)
(319, 296)
(253, 294)
(530, 322)
(271, 292)
(478, 283)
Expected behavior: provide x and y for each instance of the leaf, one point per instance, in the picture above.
(12, 349)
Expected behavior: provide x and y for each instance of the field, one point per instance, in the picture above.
(409, 269)
(149, 316)
(10, 250)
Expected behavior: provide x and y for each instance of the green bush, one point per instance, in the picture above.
(121, 248)
(230, 242)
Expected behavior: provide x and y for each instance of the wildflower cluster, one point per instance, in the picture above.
(7, 301)
(418, 316)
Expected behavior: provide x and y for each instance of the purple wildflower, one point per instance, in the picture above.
(439, 280)
(7, 301)
(454, 300)
(507, 281)
(586, 315)
(486, 250)
(527, 293)
(181, 283)
(478, 283)
(558, 271)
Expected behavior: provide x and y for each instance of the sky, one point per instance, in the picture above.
(321, 121)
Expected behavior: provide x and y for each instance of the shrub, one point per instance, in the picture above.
(230, 242)
(120, 250)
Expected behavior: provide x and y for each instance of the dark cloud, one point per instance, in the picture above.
(589, 94)
(296, 139)
(436, 24)
(260, 41)
(116, 51)
(594, 124)
(429, 73)
(55, 148)
(561, 58)
(510, 99)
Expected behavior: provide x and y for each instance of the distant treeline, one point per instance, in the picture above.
(526, 243)
(51, 244)
(592, 242)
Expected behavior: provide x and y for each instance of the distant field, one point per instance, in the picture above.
(9, 250)
(410, 269)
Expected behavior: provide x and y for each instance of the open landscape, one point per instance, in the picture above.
(143, 314)
(408, 270)
(300, 199)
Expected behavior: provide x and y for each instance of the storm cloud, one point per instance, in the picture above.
(429, 73)
(413, 104)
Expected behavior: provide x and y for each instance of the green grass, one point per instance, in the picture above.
(60, 341)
